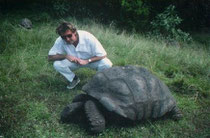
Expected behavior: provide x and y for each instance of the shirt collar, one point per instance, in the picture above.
(81, 40)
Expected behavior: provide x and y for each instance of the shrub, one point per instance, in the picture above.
(166, 24)
(60, 7)
(136, 6)
(135, 13)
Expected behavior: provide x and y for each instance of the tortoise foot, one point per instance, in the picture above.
(95, 118)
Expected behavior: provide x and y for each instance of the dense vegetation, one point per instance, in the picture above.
(130, 14)
(32, 94)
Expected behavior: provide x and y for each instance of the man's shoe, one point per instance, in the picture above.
(74, 83)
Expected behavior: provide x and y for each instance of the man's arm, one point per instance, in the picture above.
(62, 57)
(93, 59)
(56, 57)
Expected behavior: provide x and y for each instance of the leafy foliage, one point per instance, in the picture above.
(135, 13)
(166, 24)
(60, 7)
(135, 6)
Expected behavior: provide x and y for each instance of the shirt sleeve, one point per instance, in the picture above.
(97, 48)
(57, 47)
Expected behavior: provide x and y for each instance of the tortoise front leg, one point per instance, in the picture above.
(176, 113)
(94, 116)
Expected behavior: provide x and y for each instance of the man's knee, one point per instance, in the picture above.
(57, 65)
(104, 64)
(107, 65)
(64, 65)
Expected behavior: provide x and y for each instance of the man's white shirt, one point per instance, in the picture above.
(87, 47)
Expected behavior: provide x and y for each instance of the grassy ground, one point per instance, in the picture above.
(32, 94)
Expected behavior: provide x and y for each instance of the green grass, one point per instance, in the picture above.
(32, 94)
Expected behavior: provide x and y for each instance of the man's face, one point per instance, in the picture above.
(69, 37)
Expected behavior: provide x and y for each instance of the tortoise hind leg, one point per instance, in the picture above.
(176, 113)
(70, 110)
(94, 116)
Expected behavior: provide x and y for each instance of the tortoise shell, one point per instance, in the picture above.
(131, 92)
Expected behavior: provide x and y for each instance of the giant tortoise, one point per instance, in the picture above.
(126, 92)
(26, 23)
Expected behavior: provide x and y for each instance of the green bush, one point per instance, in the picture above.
(166, 25)
(136, 6)
(135, 13)
(60, 7)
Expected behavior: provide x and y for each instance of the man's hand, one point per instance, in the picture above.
(83, 62)
(72, 58)
(93, 59)
(77, 60)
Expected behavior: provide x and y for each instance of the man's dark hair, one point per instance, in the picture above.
(65, 26)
